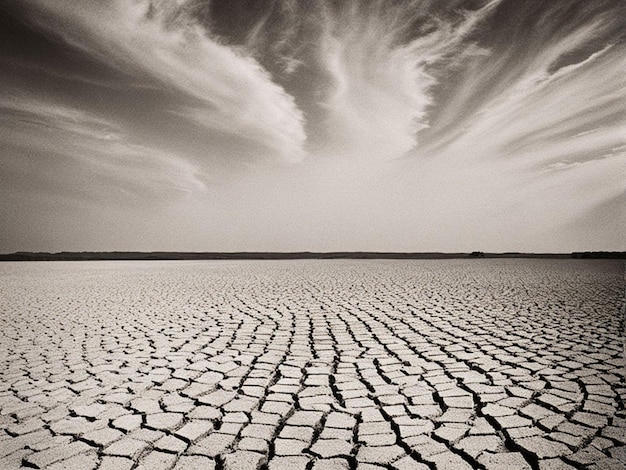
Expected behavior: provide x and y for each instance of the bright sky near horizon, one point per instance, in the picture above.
(285, 125)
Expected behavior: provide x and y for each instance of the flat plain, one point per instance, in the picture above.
(344, 364)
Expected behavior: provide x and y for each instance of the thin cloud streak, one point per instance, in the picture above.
(381, 79)
(88, 156)
(533, 114)
(162, 42)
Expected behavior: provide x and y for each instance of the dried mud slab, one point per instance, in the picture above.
(446, 364)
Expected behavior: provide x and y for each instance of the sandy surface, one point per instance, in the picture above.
(455, 364)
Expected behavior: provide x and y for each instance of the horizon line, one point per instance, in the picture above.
(261, 255)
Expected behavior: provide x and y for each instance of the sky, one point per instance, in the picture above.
(285, 125)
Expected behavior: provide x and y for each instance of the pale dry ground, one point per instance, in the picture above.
(453, 364)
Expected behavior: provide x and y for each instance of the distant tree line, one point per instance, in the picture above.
(169, 255)
(600, 254)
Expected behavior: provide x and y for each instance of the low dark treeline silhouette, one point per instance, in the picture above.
(599, 254)
(170, 255)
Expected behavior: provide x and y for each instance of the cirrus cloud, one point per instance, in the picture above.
(161, 43)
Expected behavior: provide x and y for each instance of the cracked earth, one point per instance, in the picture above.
(444, 364)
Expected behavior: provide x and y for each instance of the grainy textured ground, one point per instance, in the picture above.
(455, 364)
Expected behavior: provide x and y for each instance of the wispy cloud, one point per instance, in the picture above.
(379, 58)
(533, 134)
(275, 36)
(79, 154)
(415, 124)
(161, 42)
(528, 103)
